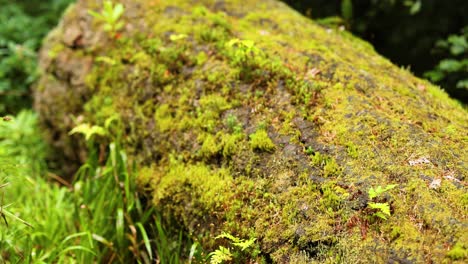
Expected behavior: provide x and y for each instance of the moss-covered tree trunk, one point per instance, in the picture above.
(245, 117)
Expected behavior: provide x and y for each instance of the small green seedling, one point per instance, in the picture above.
(220, 255)
(242, 51)
(233, 124)
(373, 193)
(382, 209)
(309, 151)
(223, 254)
(88, 131)
(110, 15)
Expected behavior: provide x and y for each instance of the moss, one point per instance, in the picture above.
(53, 52)
(210, 146)
(210, 109)
(201, 179)
(329, 165)
(163, 118)
(333, 197)
(458, 252)
(233, 124)
(194, 81)
(261, 141)
(231, 144)
(352, 150)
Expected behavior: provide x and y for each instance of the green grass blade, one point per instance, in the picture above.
(145, 239)
(120, 227)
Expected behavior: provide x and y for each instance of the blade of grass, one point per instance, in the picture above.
(145, 239)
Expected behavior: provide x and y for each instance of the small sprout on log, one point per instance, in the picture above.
(110, 15)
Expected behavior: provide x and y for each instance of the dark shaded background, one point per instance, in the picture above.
(407, 38)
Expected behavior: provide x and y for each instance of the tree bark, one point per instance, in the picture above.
(247, 118)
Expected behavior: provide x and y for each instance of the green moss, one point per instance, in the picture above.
(214, 103)
(333, 197)
(261, 141)
(458, 252)
(210, 146)
(233, 124)
(53, 52)
(211, 106)
(231, 144)
(163, 118)
(210, 187)
(329, 165)
(352, 150)
(186, 101)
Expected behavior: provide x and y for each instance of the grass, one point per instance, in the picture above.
(99, 218)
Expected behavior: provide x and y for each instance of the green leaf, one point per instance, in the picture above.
(382, 207)
(119, 226)
(450, 65)
(76, 248)
(462, 84)
(119, 25)
(108, 27)
(244, 244)
(459, 44)
(434, 75)
(96, 15)
(373, 193)
(117, 12)
(389, 187)
(88, 131)
(108, 6)
(229, 236)
(380, 215)
(176, 37)
(7, 213)
(102, 240)
(220, 255)
(145, 239)
(106, 60)
(415, 7)
(347, 9)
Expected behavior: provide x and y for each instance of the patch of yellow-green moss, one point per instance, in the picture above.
(458, 252)
(261, 141)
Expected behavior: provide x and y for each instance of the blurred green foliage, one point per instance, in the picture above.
(452, 71)
(426, 35)
(23, 25)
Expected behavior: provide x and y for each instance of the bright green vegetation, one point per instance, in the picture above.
(97, 218)
(451, 71)
(263, 124)
(18, 47)
(110, 16)
(382, 210)
(223, 254)
(260, 141)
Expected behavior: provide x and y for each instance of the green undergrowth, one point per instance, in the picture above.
(98, 218)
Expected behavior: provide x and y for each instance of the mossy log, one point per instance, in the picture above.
(245, 117)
